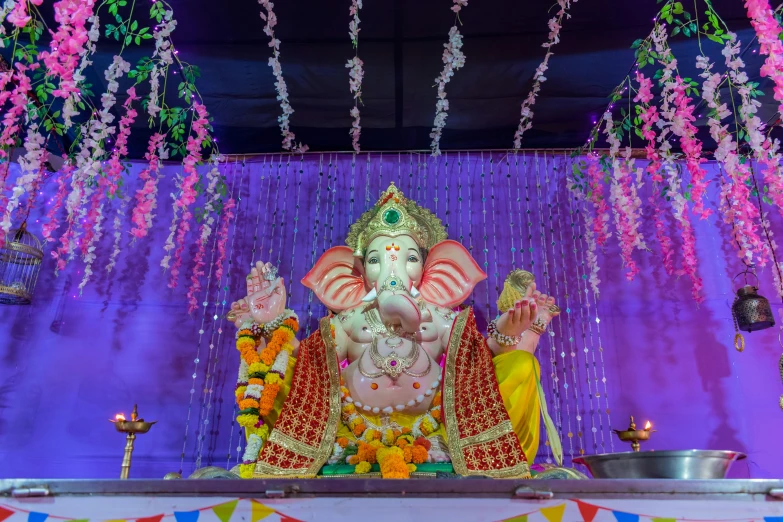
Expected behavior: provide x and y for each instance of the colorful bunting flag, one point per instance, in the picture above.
(186, 516)
(625, 517)
(766, 519)
(588, 511)
(156, 518)
(260, 511)
(554, 513)
(34, 516)
(224, 511)
(5, 513)
(520, 518)
(664, 520)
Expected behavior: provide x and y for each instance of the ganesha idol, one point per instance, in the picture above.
(397, 377)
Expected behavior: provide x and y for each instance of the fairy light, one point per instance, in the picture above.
(315, 241)
(514, 222)
(568, 323)
(299, 171)
(470, 218)
(494, 231)
(459, 195)
(584, 305)
(446, 188)
(520, 215)
(283, 221)
(258, 210)
(556, 392)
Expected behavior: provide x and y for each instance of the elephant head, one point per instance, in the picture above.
(395, 272)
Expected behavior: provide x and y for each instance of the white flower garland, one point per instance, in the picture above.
(8, 6)
(555, 24)
(453, 59)
(253, 448)
(163, 47)
(169, 246)
(289, 139)
(356, 74)
(100, 131)
(31, 164)
(117, 227)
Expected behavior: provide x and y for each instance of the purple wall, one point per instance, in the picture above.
(68, 363)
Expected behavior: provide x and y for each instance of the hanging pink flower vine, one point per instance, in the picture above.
(768, 30)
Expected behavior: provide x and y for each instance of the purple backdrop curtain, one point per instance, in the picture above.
(70, 362)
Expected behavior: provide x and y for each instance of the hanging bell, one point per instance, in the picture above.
(752, 311)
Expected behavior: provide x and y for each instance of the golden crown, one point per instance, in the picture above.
(395, 215)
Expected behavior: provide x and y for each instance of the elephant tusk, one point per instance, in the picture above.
(371, 296)
(414, 291)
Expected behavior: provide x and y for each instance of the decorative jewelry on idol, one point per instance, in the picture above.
(538, 327)
(393, 284)
(554, 310)
(269, 272)
(394, 364)
(502, 340)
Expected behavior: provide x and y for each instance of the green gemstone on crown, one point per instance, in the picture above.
(391, 216)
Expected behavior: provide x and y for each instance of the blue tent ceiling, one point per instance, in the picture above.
(401, 43)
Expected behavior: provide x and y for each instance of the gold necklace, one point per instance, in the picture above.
(393, 365)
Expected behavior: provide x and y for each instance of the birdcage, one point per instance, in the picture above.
(20, 263)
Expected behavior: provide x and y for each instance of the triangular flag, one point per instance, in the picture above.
(766, 519)
(625, 517)
(588, 511)
(81, 520)
(672, 520)
(186, 516)
(156, 518)
(554, 513)
(224, 511)
(37, 517)
(5, 513)
(520, 518)
(260, 511)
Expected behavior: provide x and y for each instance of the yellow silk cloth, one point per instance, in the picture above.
(518, 374)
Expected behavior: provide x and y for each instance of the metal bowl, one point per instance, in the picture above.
(685, 464)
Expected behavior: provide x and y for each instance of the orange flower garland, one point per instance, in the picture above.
(261, 374)
(397, 451)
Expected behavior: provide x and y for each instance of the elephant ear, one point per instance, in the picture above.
(450, 274)
(336, 280)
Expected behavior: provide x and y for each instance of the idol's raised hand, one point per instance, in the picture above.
(519, 318)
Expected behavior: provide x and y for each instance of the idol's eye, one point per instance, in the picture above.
(413, 259)
(373, 261)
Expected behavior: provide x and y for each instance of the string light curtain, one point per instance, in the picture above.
(510, 210)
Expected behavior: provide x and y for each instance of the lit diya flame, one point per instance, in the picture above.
(119, 417)
(648, 426)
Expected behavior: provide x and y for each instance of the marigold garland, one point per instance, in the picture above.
(400, 449)
(259, 381)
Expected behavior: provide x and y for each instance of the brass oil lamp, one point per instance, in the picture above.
(130, 428)
(634, 436)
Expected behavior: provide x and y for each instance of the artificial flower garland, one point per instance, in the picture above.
(187, 195)
(735, 202)
(225, 221)
(205, 231)
(356, 74)
(555, 24)
(260, 377)
(767, 28)
(453, 60)
(52, 223)
(649, 118)
(146, 196)
(626, 204)
(678, 201)
(289, 139)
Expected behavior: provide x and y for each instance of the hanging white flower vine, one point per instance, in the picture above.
(555, 24)
(356, 74)
(453, 60)
(289, 139)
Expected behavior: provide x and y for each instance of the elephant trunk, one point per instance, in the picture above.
(399, 308)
